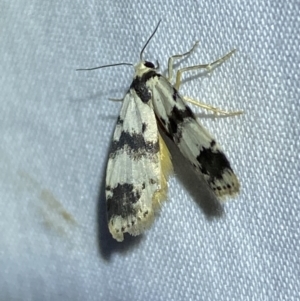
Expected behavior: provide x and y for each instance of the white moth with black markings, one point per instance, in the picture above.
(139, 161)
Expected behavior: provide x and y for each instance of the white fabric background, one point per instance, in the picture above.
(55, 130)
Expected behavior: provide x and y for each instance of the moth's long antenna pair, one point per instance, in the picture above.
(127, 64)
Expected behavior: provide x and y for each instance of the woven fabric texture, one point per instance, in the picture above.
(56, 126)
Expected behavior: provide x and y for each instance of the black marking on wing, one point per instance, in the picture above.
(176, 119)
(134, 144)
(144, 127)
(120, 121)
(213, 163)
(152, 181)
(175, 94)
(140, 87)
(212, 143)
(148, 75)
(124, 196)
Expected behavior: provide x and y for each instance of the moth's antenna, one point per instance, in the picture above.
(127, 64)
(105, 66)
(141, 55)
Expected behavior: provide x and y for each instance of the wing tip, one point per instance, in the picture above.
(134, 225)
(226, 186)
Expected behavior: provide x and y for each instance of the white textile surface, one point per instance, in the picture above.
(56, 126)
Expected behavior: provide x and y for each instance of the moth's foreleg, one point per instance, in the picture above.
(176, 57)
(209, 67)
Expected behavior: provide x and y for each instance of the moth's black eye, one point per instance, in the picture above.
(149, 65)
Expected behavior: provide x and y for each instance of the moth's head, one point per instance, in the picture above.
(145, 66)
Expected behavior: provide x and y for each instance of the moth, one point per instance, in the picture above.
(139, 163)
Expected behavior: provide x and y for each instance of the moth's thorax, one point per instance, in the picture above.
(143, 67)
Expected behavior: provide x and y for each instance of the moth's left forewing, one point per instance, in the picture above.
(137, 170)
(192, 139)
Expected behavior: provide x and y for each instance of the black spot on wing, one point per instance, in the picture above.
(124, 196)
(148, 75)
(140, 87)
(120, 121)
(176, 118)
(175, 94)
(152, 181)
(134, 144)
(212, 143)
(144, 127)
(213, 163)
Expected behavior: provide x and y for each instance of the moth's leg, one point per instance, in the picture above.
(211, 108)
(209, 67)
(175, 57)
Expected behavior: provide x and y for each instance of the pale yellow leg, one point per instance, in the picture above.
(209, 67)
(175, 57)
(211, 108)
